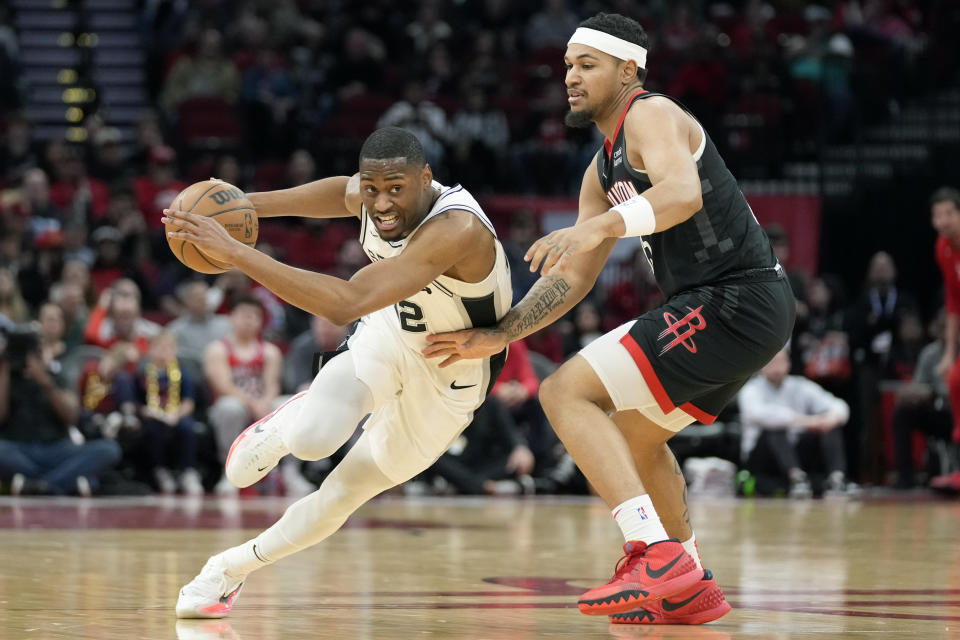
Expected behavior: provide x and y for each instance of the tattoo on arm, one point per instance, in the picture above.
(534, 312)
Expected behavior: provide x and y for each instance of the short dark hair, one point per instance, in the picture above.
(393, 142)
(622, 27)
(248, 299)
(946, 194)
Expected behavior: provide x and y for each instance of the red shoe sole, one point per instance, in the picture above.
(629, 597)
(700, 617)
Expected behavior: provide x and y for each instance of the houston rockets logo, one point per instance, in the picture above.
(682, 330)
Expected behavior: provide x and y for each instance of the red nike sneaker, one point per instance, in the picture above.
(700, 603)
(645, 573)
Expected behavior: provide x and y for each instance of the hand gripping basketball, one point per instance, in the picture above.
(203, 219)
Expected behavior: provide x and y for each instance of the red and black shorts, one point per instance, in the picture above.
(697, 350)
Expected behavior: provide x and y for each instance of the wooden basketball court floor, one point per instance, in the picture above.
(484, 569)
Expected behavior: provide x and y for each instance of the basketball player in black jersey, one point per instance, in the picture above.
(729, 309)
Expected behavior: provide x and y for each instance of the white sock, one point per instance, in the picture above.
(638, 520)
(690, 546)
(245, 558)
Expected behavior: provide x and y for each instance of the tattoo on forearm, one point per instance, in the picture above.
(546, 295)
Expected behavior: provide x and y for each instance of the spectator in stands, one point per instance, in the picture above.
(872, 324)
(244, 375)
(41, 267)
(76, 243)
(821, 347)
(207, 73)
(117, 318)
(360, 65)
(480, 135)
(18, 153)
(909, 340)
(516, 389)
(45, 217)
(157, 189)
(197, 326)
(69, 297)
(13, 308)
(115, 261)
(491, 457)
(108, 406)
(791, 426)
(268, 94)
(428, 29)
(81, 197)
(301, 168)
(165, 392)
(421, 117)
(52, 328)
(227, 168)
(322, 336)
(37, 454)
(587, 326)
(923, 405)
(109, 161)
(551, 26)
(148, 137)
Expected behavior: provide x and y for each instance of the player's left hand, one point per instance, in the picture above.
(465, 344)
(554, 250)
(205, 233)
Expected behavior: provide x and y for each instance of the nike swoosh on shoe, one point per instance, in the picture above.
(673, 606)
(658, 573)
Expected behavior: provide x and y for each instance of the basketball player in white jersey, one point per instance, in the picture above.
(437, 266)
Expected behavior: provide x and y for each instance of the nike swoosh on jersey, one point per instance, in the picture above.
(673, 606)
(657, 573)
(455, 386)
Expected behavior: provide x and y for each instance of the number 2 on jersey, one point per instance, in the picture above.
(410, 316)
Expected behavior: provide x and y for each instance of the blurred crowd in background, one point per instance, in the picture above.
(128, 373)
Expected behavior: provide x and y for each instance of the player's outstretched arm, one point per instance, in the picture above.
(658, 134)
(548, 300)
(438, 245)
(336, 197)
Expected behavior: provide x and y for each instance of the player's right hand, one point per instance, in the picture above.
(464, 345)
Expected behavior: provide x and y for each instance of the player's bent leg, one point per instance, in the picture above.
(576, 404)
(654, 566)
(658, 470)
(306, 522)
(311, 425)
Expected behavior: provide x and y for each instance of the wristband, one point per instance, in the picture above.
(638, 217)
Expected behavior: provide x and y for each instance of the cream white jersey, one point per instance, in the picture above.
(445, 304)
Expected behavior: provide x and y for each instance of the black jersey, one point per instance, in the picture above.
(717, 243)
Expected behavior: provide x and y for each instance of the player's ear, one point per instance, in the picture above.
(427, 176)
(628, 71)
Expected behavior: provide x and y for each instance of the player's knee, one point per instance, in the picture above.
(308, 446)
(551, 391)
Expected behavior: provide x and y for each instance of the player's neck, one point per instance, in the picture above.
(609, 119)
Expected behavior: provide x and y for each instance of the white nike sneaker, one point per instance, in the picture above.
(211, 594)
(257, 450)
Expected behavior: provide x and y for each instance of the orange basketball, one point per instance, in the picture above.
(229, 206)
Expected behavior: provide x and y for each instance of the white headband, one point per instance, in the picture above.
(612, 45)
